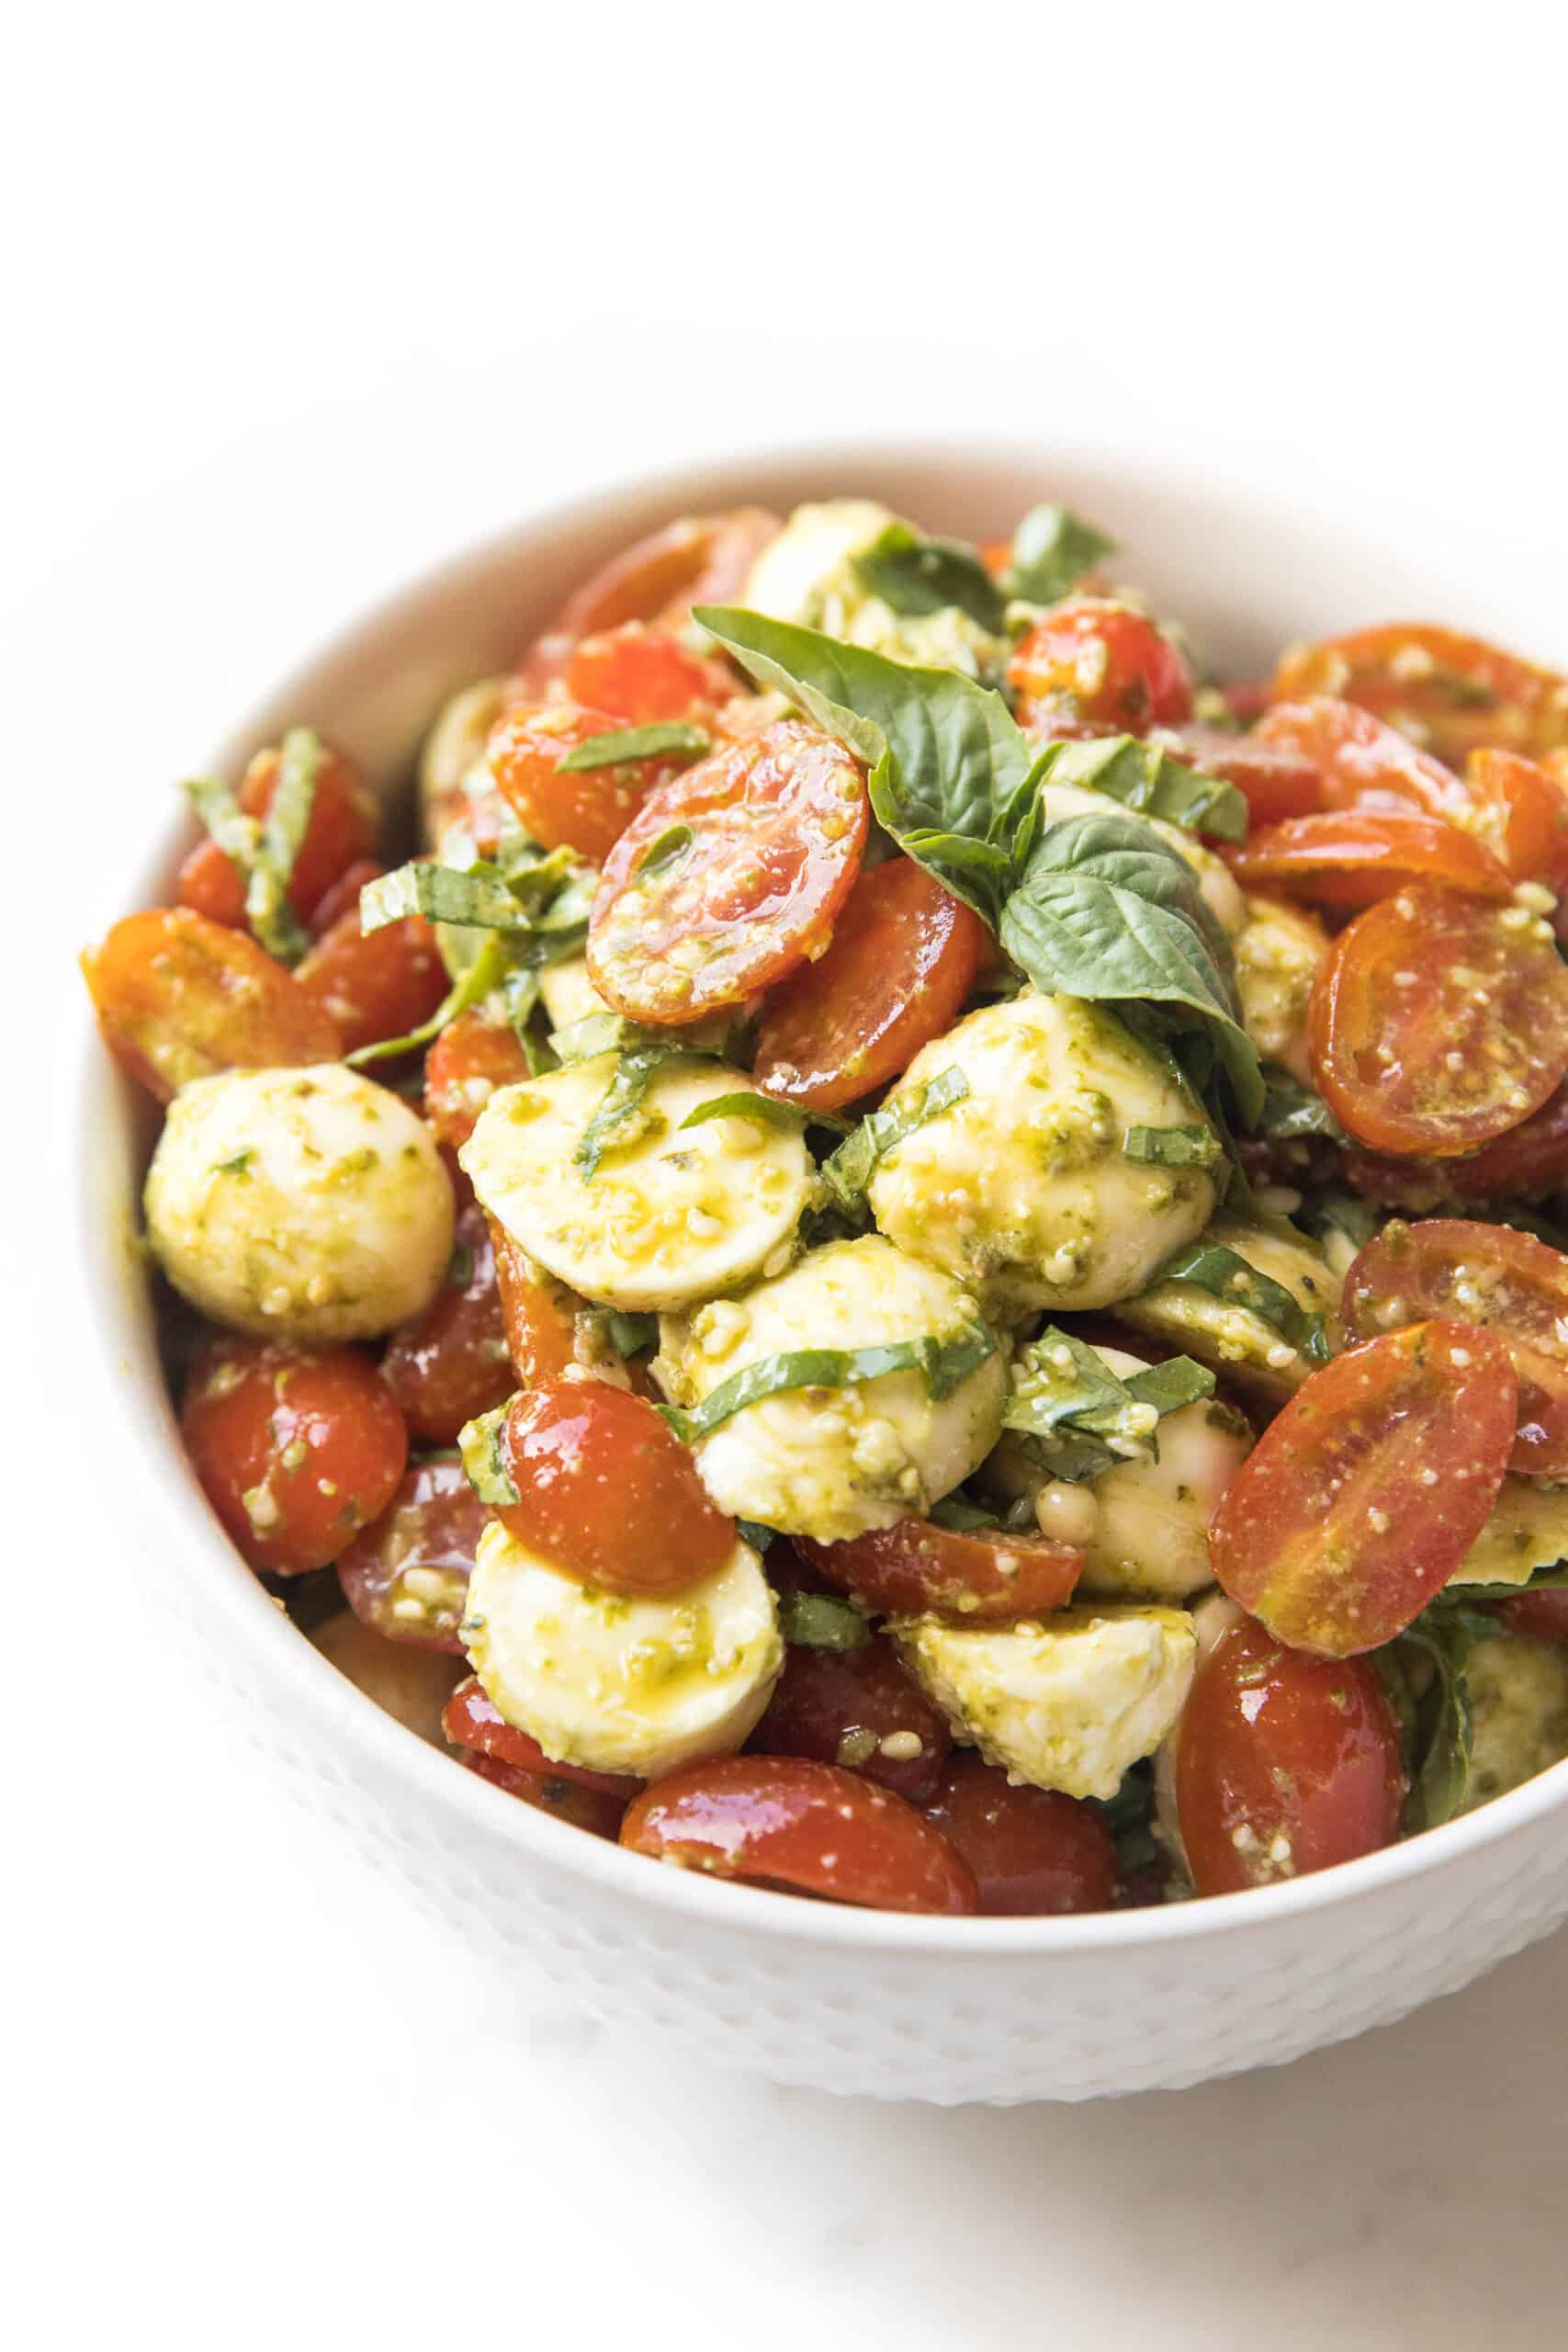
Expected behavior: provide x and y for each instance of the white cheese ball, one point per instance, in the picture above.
(408, 1682)
(1218, 887)
(832, 1463)
(618, 1685)
(1022, 1190)
(1068, 1702)
(1227, 1336)
(1518, 1700)
(671, 1214)
(307, 1206)
(1146, 1528)
(807, 575)
(1277, 958)
(1528, 1530)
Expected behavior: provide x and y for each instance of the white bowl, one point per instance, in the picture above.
(809, 1992)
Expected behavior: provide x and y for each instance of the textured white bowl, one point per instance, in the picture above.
(999, 2009)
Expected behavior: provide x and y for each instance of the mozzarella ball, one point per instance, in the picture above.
(1022, 1190)
(301, 1204)
(832, 1463)
(408, 1682)
(1276, 956)
(671, 1214)
(1068, 1702)
(618, 1685)
(807, 575)
(1218, 887)
(1228, 1337)
(1528, 1530)
(1518, 1701)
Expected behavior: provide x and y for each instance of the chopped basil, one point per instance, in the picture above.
(631, 1335)
(956, 1512)
(1354, 1220)
(766, 1109)
(1051, 549)
(752, 1532)
(851, 1169)
(945, 1364)
(481, 899)
(1148, 780)
(239, 1166)
(633, 743)
(1083, 1419)
(1291, 1110)
(635, 1069)
(914, 575)
(1229, 1278)
(267, 908)
(821, 1621)
(666, 849)
(478, 1443)
(1195, 1147)
(1424, 1672)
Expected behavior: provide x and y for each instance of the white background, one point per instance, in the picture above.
(298, 298)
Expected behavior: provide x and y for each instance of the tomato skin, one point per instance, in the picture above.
(641, 674)
(1284, 1764)
(342, 828)
(1506, 1283)
(1528, 1162)
(550, 1792)
(1360, 760)
(904, 955)
(1355, 856)
(1451, 693)
(587, 811)
(778, 825)
(1421, 996)
(1542, 1615)
(378, 984)
(407, 1576)
(986, 1578)
(1093, 658)
(785, 1820)
(1035, 1853)
(313, 1440)
(1277, 783)
(471, 1059)
(538, 1312)
(342, 898)
(1364, 1494)
(451, 1362)
(699, 560)
(837, 1706)
(606, 1491)
(471, 1719)
(179, 997)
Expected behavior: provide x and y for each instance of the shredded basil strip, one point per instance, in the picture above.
(945, 1364)
(288, 820)
(1051, 549)
(1067, 1383)
(1290, 1109)
(636, 1068)
(478, 1443)
(1229, 1278)
(666, 849)
(633, 743)
(820, 1620)
(1194, 1147)
(767, 1109)
(914, 575)
(479, 900)
(956, 1512)
(1150, 781)
(629, 1334)
(487, 971)
(851, 1169)
(752, 1532)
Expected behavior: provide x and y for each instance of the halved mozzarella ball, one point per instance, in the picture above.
(1517, 1690)
(807, 575)
(1022, 1190)
(410, 1683)
(1276, 956)
(568, 994)
(1227, 1336)
(454, 750)
(618, 1685)
(299, 1205)
(832, 1463)
(672, 1214)
(1528, 1530)
(1068, 1702)
(1221, 892)
(1146, 1523)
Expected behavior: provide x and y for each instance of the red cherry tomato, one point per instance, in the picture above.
(1362, 1497)
(342, 898)
(642, 675)
(407, 1574)
(1284, 1764)
(451, 1362)
(903, 957)
(549, 1791)
(1034, 1852)
(1353, 857)
(342, 828)
(583, 809)
(857, 1708)
(1277, 783)
(1508, 1283)
(1526, 810)
(297, 1451)
(1360, 760)
(472, 1056)
(1093, 658)
(541, 1314)
(1542, 1615)
(757, 848)
(811, 1828)
(375, 984)
(917, 1564)
(1446, 691)
(605, 1490)
(471, 1719)
(179, 997)
(1437, 1023)
(701, 560)
(1527, 1163)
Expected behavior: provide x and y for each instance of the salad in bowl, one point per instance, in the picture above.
(915, 1253)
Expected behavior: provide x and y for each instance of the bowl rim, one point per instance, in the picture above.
(144, 1435)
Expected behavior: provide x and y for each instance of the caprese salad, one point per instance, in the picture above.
(920, 1257)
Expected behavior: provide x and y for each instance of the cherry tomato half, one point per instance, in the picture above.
(1437, 1023)
(785, 1820)
(605, 1490)
(1284, 1764)
(1277, 783)
(1034, 1852)
(1524, 810)
(731, 876)
(1353, 857)
(1542, 1615)
(451, 1362)
(295, 1451)
(1092, 658)
(375, 984)
(1360, 760)
(1361, 1498)
(1526, 1164)
(407, 1574)
(642, 675)
(342, 898)
(180, 997)
(472, 1056)
(857, 1708)
(915, 1565)
(549, 1791)
(541, 1314)
(582, 809)
(471, 1719)
(903, 957)
(701, 560)
(1508, 1283)
(1446, 691)
(341, 827)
